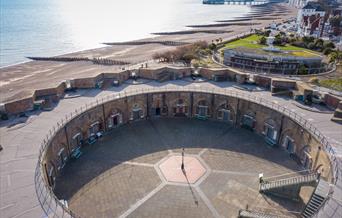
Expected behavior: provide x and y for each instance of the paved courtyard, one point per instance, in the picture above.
(21, 139)
(121, 175)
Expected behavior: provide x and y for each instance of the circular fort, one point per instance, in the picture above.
(242, 156)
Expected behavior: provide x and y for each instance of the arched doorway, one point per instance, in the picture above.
(136, 113)
(225, 113)
(202, 110)
(288, 144)
(115, 119)
(180, 109)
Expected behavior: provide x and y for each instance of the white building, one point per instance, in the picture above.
(310, 20)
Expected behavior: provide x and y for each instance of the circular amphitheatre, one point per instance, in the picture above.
(123, 158)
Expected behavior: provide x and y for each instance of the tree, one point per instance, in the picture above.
(302, 70)
(311, 45)
(278, 40)
(319, 44)
(328, 44)
(308, 39)
(327, 51)
(335, 56)
(267, 33)
(212, 46)
(262, 40)
(335, 21)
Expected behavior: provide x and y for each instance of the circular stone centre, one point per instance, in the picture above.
(171, 169)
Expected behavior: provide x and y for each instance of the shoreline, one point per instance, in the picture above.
(20, 80)
(187, 29)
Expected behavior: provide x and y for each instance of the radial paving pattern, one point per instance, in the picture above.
(172, 171)
(135, 172)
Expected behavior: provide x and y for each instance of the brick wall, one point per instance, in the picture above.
(263, 81)
(332, 100)
(304, 143)
(19, 106)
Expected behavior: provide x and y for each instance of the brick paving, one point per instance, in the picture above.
(111, 194)
(117, 175)
(173, 201)
(230, 192)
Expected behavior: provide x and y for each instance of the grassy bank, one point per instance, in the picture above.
(335, 84)
(252, 42)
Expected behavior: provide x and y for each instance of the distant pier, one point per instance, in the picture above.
(234, 2)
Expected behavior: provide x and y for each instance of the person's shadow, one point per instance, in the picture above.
(192, 192)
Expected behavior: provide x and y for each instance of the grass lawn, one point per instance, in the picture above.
(248, 42)
(335, 84)
(252, 43)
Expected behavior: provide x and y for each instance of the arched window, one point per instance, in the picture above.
(77, 140)
(270, 132)
(224, 113)
(50, 174)
(289, 144)
(306, 158)
(137, 113)
(202, 110)
(93, 129)
(248, 120)
(62, 158)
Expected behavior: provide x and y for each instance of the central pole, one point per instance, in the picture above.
(182, 166)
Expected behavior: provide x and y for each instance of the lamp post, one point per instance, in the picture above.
(182, 166)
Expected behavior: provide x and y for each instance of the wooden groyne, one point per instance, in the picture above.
(224, 25)
(106, 61)
(233, 20)
(62, 59)
(99, 61)
(166, 43)
(192, 32)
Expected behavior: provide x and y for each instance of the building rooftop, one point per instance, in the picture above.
(314, 5)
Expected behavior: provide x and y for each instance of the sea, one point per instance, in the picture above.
(55, 27)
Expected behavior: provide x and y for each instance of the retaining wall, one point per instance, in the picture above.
(308, 141)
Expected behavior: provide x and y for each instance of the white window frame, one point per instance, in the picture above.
(275, 132)
(223, 110)
(285, 144)
(75, 137)
(199, 107)
(141, 113)
(63, 161)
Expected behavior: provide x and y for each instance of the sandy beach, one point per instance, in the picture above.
(20, 81)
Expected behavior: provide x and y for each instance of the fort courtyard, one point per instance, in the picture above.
(120, 174)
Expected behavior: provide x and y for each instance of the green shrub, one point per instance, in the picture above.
(327, 51)
(311, 45)
(303, 70)
(328, 44)
(262, 40)
(212, 46)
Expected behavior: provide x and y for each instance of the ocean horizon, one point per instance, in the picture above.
(55, 27)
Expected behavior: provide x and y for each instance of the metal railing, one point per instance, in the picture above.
(54, 208)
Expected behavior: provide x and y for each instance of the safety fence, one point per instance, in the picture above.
(53, 207)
